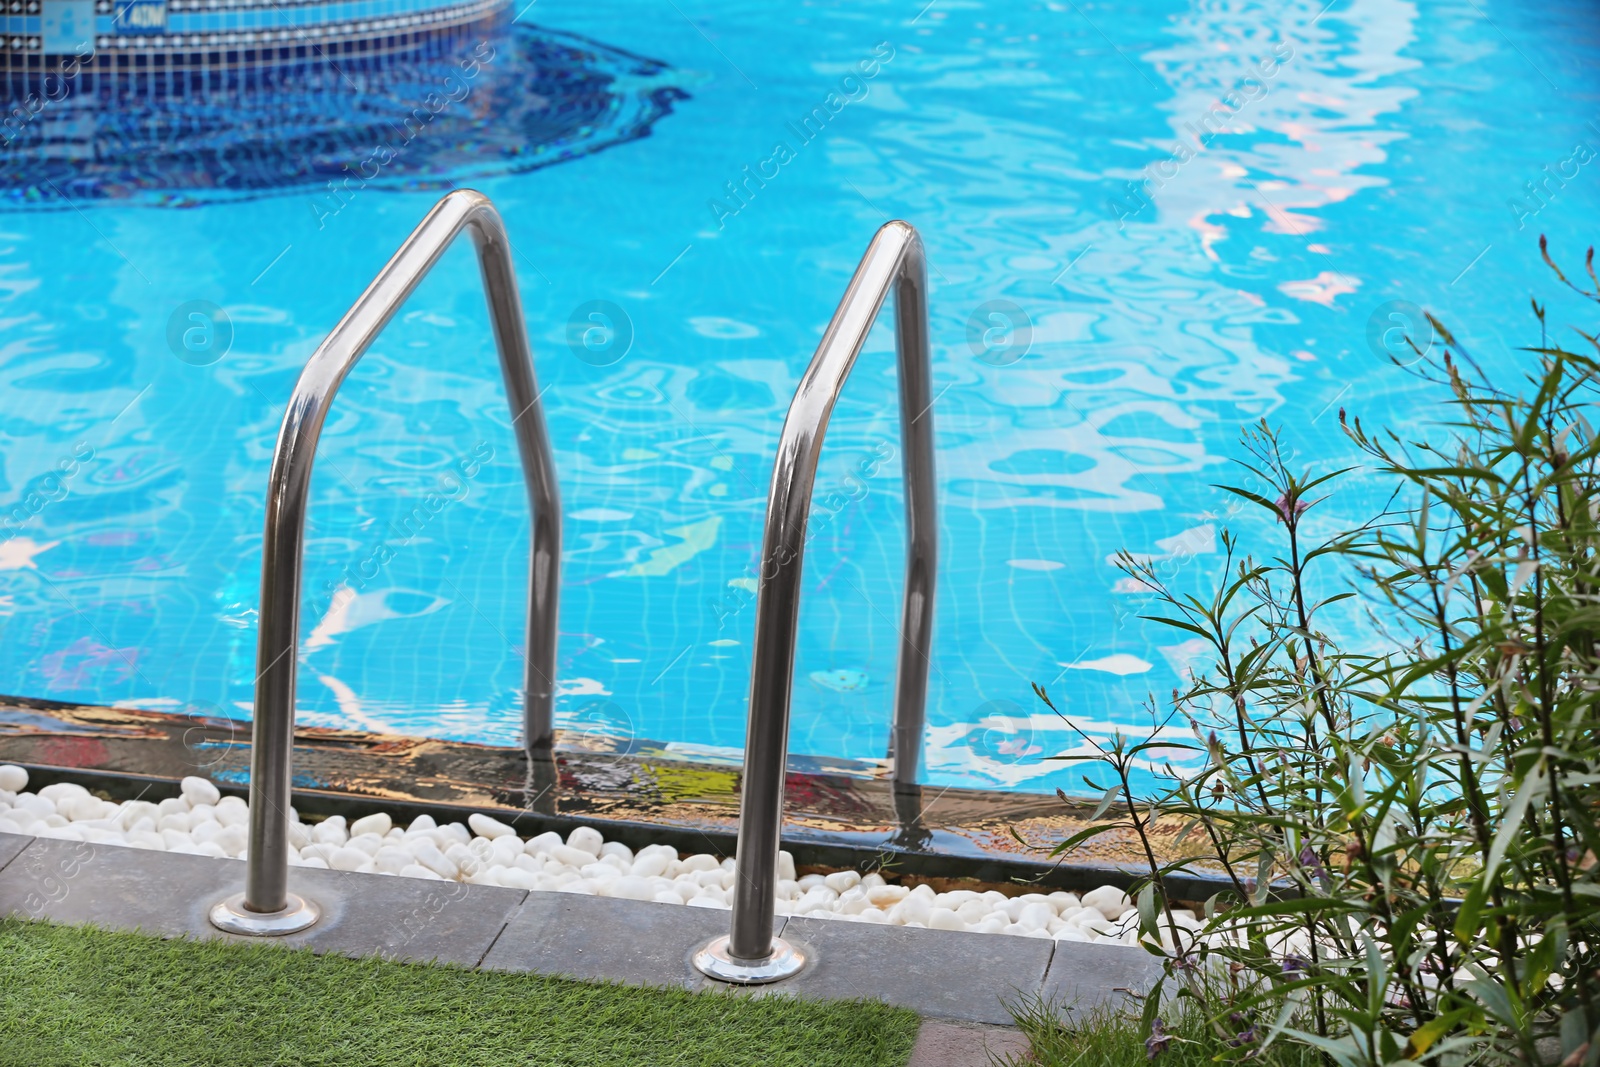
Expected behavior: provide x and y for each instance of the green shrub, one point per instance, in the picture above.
(1401, 742)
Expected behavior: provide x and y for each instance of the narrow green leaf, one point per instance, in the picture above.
(1105, 802)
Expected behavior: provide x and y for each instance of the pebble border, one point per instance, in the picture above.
(486, 851)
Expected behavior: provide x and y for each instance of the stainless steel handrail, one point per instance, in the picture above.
(266, 906)
(750, 954)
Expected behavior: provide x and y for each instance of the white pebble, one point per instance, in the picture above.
(60, 791)
(428, 855)
(233, 815)
(329, 831)
(945, 919)
(543, 843)
(586, 839)
(13, 779)
(839, 881)
(379, 824)
(572, 857)
(464, 858)
(199, 791)
(1108, 900)
(630, 887)
(974, 911)
(85, 808)
(913, 909)
(484, 826)
(368, 843)
(392, 860)
(505, 851)
(599, 872)
(886, 896)
(232, 840)
(33, 804)
(178, 820)
(347, 858)
(652, 865)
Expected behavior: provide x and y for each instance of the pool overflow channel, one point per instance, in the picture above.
(750, 954)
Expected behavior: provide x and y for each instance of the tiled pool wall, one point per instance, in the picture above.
(55, 42)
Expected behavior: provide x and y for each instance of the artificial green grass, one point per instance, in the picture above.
(1107, 1037)
(77, 995)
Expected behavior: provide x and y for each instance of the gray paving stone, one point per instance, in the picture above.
(1082, 976)
(170, 894)
(600, 939)
(947, 1044)
(941, 974)
(11, 845)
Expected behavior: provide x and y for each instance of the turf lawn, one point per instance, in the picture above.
(76, 995)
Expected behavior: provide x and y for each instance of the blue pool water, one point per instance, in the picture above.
(1381, 151)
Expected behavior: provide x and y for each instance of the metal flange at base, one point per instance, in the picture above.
(232, 916)
(714, 961)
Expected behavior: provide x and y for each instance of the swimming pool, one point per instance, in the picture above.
(1108, 308)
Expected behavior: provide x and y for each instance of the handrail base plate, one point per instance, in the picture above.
(713, 961)
(233, 917)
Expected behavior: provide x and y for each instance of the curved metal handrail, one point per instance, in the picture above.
(894, 259)
(266, 906)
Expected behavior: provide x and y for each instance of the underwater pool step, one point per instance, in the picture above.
(940, 974)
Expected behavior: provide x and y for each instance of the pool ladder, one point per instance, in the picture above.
(750, 953)
(266, 907)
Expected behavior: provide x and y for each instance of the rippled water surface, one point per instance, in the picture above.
(1380, 151)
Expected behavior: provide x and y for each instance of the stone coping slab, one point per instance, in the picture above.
(602, 939)
(939, 973)
(11, 845)
(961, 977)
(170, 895)
(1085, 976)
